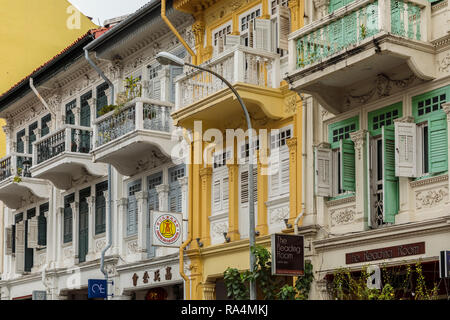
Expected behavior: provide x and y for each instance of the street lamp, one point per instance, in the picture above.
(165, 58)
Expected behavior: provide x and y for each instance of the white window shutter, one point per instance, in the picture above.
(225, 193)
(284, 27)
(20, 247)
(284, 170)
(251, 34)
(216, 194)
(9, 240)
(232, 40)
(220, 45)
(32, 231)
(275, 169)
(405, 149)
(243, 181)
(262, 34)
(323, 174)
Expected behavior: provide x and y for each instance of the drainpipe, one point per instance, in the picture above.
(42, 100)
(111, 85)
(171, 27)
(297, 219)
(187, 287)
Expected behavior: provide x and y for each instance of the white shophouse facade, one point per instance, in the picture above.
(57, 207)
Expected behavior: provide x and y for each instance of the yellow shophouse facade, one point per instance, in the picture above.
(246, 42)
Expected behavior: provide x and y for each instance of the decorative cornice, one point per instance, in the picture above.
(426, 181)
(337, 202)
(406, 119)
(204, 172)
(439, 6)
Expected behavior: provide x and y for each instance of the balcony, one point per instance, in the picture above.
(386, 42)
(136, 137)
(254, 73)
(16, 185)
(63, 157)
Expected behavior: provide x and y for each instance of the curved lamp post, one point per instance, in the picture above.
(165, 58)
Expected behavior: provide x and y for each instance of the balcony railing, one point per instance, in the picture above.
(70, 138)
(138, 114)
(349, 26)
(13, 165)
(237, 64)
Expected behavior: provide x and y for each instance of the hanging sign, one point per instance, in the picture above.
(167, 229)
(287, 255)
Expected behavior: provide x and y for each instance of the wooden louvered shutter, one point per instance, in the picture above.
(437, 141)
(323, 172)
(390, 181)
(284, 27)
(20, 247)
(132, 214)
(284, 170)
(347, 161)
(32, 232)
(262, 34)
(405, 149)
(9, 240)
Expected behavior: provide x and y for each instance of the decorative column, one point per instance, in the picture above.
(198, 28)
(205, 175)
(141, 198)
(361, 183)
(297, 13)
(74, 207)
(59, 235)
(293, 185)
(261, 181)
(122, 206)
(91, 228)
(233, 201)
(163, 196)
(8, 130)
(209, 291)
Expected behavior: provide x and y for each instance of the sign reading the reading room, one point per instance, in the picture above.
(167, 229)
(287, 255)
(385, 253)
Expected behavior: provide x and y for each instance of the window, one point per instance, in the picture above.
(174, 73)
(70, 116)
(45, 124)
(67, 223)
(220, 34)
(28, 245)
(381, 175)
(83, 224)
(154, 88)
(100, 207)
(336, 4)
(32, 136)
(42, 224)
(335, 163)
(153, 200)
(85, 112)
(279, 163)
(275, 3)
(20, 147)
(102, 99)
(220, 183)
(175, 201)
(249, 17)
(132, 213)
(245, 151)
(19, 242)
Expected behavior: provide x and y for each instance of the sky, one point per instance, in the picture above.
(100, 10)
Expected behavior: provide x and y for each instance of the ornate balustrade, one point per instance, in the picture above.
(355, 23)
(138, 114)
(13, 165)
(70, 138)
(236, 64)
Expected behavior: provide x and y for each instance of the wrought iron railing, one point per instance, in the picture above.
(138, 114)
(16, 164)
(70, 138)
(349, 26)
(236, 64)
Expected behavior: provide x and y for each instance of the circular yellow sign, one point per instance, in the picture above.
(167, 228)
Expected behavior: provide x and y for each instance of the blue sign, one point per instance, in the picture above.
(97, 288)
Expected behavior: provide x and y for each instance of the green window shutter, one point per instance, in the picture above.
(31, 136)
(70, 116)
(20, 148)
(347, 154)
(390, 181)
(100, 207)
(437, 141)
(367, 192)
(42, 225)
(67, 220)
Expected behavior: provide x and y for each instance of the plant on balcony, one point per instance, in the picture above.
(133, 87)
(106, 109)
(17, 178)
(237, 283)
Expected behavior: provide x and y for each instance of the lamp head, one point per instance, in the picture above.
(166, 58)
